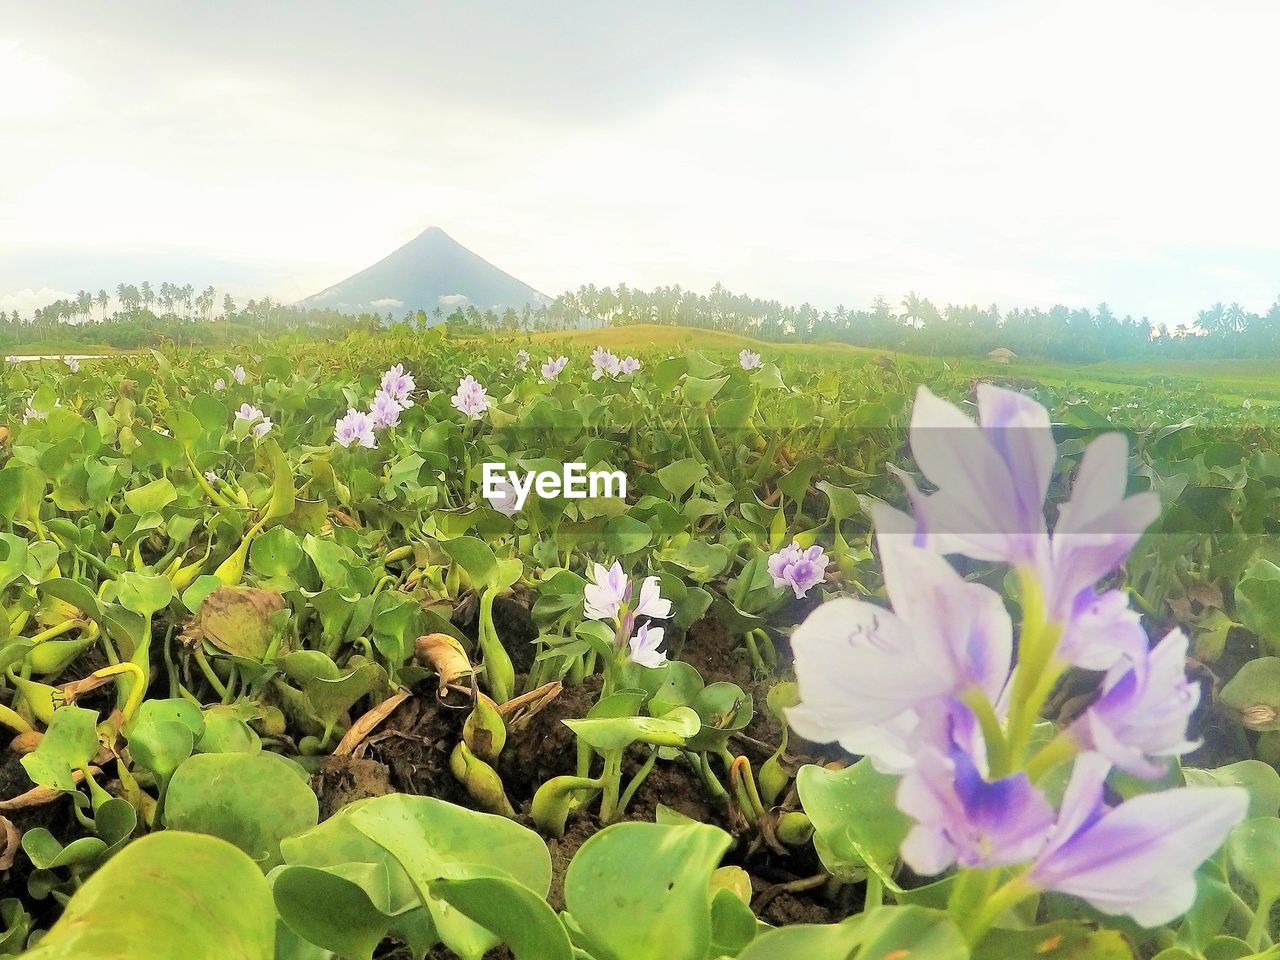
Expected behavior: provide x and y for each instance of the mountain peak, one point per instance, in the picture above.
(431, 272)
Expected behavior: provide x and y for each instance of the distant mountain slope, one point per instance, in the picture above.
(432, 270)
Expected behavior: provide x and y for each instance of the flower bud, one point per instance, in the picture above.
(794, 829)
(481, 780)
(484, 732)
(734, 879)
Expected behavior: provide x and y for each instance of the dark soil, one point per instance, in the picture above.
(344, 780)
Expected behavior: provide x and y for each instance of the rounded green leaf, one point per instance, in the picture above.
(253, 800)
(168, 894)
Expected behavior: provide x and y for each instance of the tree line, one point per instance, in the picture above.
(144, 315)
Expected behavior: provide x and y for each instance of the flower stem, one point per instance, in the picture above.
(992, 732)
(975, 923)
(1059, 750)
(1037, 671)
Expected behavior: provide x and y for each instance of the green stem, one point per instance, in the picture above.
(1258, 926)
(992, 732)
(636, 780)
(975, 925)
(1037, 670)
(1057, 751)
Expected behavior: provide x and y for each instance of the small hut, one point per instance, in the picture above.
(1002, 355)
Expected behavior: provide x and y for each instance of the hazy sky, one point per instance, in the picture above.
(1021, 152)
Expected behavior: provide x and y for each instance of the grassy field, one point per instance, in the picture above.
(1230, 380)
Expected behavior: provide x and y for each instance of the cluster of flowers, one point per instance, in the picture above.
(605, 364)
(391, 399)
(237, 375)
(258, 421)
(607, 597)
(931, 690)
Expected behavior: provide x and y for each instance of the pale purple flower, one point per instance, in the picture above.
(551, 369)
(522, 360)
(605, 592)
(962, 818)
(749, 360)
(72, 364)
(238, 374)
(628, 366)
(471, 398)
(356, 427)
(262, 427)
(219, 384)
(1100, 629)
(506, 497)
(992, 479)
(211, 476)
(608, 592)
(876, 680)
(384, 410)
(605, 363)
(799, 569)
(1138, 859)
(644, 647)
(249, 412)
(31, 413)
(398, 385)
(1143, 710)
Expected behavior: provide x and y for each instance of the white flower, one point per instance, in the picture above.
(607, 590)
(628, 366)
(522, 360)
(238, 374)
(219, 384)
(211, 476)
(72, 364)
(644, 647)
(249, 412)
(505, 499)
(262, 428)
(749, 359)
(605, 363)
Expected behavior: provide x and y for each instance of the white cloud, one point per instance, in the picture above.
(386, 302)
(28, 301)
(452, 299)
(1075, 150)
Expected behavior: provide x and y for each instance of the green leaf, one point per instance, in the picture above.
(152, 497)
(1253, 849)
(345, 909)
(276, 553)
(623, 535)
(673, 729)
(679, 477)
(162, 892)
(253, 800)
(514, 913)
(1063, 940)
(1258, 778)
(144, 594)
(475, 557)
(1255, 692)
(1258, 602)
(640, 891)
(856, 820)
(69, 744)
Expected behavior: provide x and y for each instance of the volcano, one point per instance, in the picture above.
(432, 271)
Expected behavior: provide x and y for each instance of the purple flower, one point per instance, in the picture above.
(605, 363)
(72, 364)
(398, 385)
(31, 413)
(356, 427)
(992, 478)
(238, 374)
(260, 429)
(1138, 859)
(384, 410)
(628, 366)
(876, 681)
(797, 568)
(608, 591)
(643, 647)
(219, 384)
(471, 398)
(1100, 629)
(551, 369)
(749, 360)
(1143, 710)
(522, 360)
(962, 818)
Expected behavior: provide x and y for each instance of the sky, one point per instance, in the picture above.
(1022, 153)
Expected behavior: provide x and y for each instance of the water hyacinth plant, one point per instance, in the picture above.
(846, 672)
